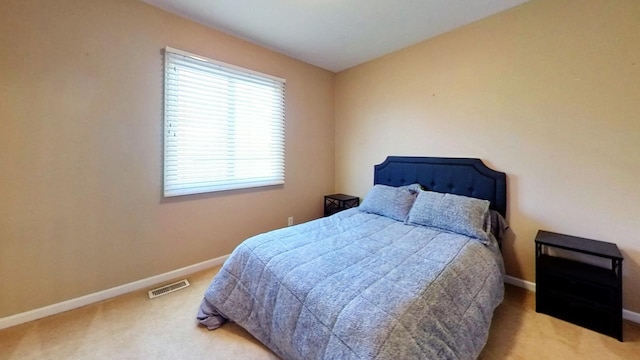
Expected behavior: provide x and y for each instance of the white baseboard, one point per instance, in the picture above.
(631, 316)
(53, 309)
(520, 283)
(626, 314)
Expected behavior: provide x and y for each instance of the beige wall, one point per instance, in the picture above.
(81, 150)
(548, 92)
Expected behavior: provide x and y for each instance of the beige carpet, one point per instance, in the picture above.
(134, 327)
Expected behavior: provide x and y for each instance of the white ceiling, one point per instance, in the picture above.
(335, 34)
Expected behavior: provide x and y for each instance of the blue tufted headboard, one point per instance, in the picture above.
(460, 176)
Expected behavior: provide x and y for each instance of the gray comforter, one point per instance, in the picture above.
(360, 286)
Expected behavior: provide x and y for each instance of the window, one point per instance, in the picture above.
(223, 126)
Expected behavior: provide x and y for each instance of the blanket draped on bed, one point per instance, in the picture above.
(360, 286)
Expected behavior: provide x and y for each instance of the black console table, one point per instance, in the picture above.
(581, 293)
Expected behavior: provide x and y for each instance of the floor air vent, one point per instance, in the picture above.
(169, 288)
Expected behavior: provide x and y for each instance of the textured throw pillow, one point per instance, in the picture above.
(414, 188)
(389, 201)
(497, 224)
(455, 213)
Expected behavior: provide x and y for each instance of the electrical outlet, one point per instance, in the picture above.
(290, 221)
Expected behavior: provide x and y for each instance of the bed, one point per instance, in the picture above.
(414, 273)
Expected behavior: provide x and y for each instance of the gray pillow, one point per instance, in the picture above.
(414, 188)
(389, 201)
(455, 213)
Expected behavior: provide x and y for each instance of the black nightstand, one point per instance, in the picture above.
(581, 293)
(337, 202)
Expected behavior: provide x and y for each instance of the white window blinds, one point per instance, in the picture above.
(223, 126)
